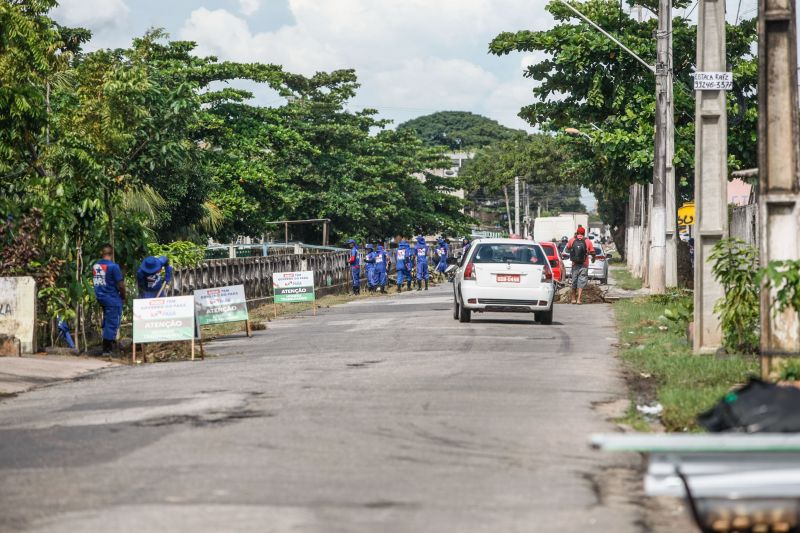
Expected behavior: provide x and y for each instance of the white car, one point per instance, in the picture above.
(504, 275)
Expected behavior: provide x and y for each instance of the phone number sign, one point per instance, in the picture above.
(713, 81)
(220, 305)
(291, 287)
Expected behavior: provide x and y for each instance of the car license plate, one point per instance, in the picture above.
(508, 278)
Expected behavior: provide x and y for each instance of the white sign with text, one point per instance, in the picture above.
(713, 81)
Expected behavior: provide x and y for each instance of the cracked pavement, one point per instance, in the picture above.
(384, 414)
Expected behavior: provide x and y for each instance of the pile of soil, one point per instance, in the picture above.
(592, 294)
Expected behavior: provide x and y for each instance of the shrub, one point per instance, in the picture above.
(180, 253)
(735, 266)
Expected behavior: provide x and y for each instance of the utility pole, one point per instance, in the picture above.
(527, 219)
(516, 205)
(710, 175)
(658, 228)
(671, 276)
(779, 204)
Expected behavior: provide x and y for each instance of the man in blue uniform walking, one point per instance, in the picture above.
(381, 267)
(442, 250)
(423, 273)
(109, 289)
(405, 262)
(355, 266)
(153, 276)
(370, 266)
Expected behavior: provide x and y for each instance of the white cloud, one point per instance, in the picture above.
(411, 55)
(93, 14)
(249, 7)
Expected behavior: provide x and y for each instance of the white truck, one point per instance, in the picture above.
(553, 228)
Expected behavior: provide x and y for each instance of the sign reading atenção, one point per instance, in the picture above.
(220, 305)
(163, 319)
(292, 287)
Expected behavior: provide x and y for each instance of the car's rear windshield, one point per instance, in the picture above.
(528, 254)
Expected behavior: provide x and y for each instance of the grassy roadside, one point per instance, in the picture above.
(624, 279)
(662, 367)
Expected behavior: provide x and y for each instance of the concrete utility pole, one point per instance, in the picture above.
(516, 205)
(779, 204)
(710, 175)
(527, 218)
(671, 275)
(658, 228)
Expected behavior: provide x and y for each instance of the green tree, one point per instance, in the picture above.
(539, 160)
(587, 82)
(459, 130)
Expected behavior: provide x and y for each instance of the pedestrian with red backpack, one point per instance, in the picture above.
(579, 249)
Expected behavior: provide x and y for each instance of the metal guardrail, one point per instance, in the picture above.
(234, 251)
(733, 482)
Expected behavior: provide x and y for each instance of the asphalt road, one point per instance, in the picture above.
(383, 415)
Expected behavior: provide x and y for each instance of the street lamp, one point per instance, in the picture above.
(575, 132)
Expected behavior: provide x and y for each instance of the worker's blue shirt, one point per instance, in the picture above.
(422, 253)
(150, 284)
(354, 260)
(404, 258)
(106, 276)
(380, 260)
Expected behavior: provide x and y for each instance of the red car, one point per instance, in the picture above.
(551, 250)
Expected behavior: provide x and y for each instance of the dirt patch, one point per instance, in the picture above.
(592, 294)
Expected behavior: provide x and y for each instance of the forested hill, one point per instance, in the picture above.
(457, 130)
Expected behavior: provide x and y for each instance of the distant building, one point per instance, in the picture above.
(739, 192)
(457, 159)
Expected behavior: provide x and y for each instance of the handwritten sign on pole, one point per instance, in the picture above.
(713, 81)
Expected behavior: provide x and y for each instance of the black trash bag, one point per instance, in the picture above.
(758, 407)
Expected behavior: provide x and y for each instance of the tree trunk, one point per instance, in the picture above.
(508, 210)
(110, 216)
(78, 260)
(619, 239)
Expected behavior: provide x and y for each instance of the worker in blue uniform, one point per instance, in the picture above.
(370, 266)
(405, 263)
(153, 276)
(381, 268)
(355, 266)
(465, 244)
(423, 273)
(109, 289)
(442, 251)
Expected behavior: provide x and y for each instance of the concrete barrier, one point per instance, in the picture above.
(18, 314)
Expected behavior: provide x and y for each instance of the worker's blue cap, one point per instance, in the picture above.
(151, 265)
(420, 239)
(351, 241)
(369, 246)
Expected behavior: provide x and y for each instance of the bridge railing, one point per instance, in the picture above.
(255, 273)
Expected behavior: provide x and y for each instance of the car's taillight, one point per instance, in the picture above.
(469, 271)
(547, 274)
(600, 257)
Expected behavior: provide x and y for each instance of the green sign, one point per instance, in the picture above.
(163, 319)
(220, 305)
(292, 287)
